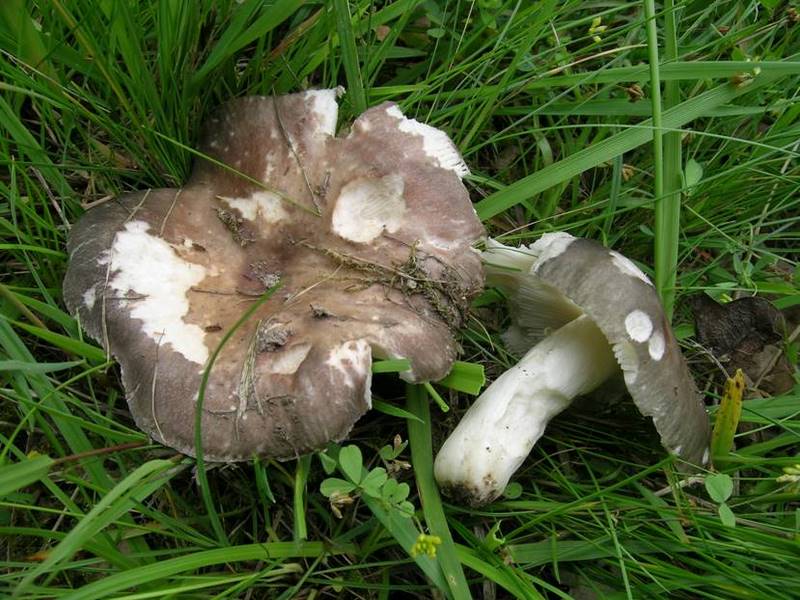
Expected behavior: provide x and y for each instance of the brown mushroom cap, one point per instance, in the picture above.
(623, 303)
(369, 234)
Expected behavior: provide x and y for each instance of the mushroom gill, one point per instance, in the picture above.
(579, 313)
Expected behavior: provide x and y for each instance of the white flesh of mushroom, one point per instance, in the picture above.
(500, 429)
(161, 283)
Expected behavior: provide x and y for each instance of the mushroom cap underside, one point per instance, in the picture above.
(369, 235)
(623, 303)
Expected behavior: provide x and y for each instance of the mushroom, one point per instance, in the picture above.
(369, 234)
(595, 313)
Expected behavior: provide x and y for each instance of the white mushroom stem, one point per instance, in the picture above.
(500, 429)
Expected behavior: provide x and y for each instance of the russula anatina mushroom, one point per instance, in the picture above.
(595, 313)
(370, 235)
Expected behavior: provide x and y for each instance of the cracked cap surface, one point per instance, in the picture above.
(370, 236)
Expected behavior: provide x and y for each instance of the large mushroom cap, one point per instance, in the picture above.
(369, 234)
(623, 303)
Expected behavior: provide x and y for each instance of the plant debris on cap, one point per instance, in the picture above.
(623, 303)
(369, 234)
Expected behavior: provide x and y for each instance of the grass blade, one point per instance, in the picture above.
(300, 528)
(137, 486)
(352, 68)
(30, 45)
(601, 152)
(395, 365)
(202, 477)
(668, 206)
(239, 33)
(22, 474)
(664, 242)
(465, 377)
(405, 534)
(23, 367)
(90, 352)
(271, 551)
(503, 577)
(392, 410)
(683, 70)
(419, 437)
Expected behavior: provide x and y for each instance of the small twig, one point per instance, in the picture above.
(289, 143)
(242, 292)
(594, 56)
(712, 358)
(688, 482)
(169, 212)
(293, 36)
(206, 291)
(153, 390)
(103, 304)
(57, 525)
(52, 198)
(99, 452)
(236, 292)
(313, 285)
(247, 381)
(87, 205)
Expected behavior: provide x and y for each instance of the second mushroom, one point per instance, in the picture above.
(580, 313)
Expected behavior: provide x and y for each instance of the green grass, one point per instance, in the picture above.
(101, 98)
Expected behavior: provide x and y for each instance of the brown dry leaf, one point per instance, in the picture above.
(746, 334)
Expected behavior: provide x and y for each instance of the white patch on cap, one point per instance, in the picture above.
(638, 325)
(656, 345)
(704, 460)
(287, 360)
(89, 297)
(628, 267)
(442, 244)
(388, 344)
(147, 266)
(435, 142)
(352, 359)
(549, 246)
(269, 169)
(677, 451)
(325, 108)
(365, 207)
(628, 361)
(264, 205)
